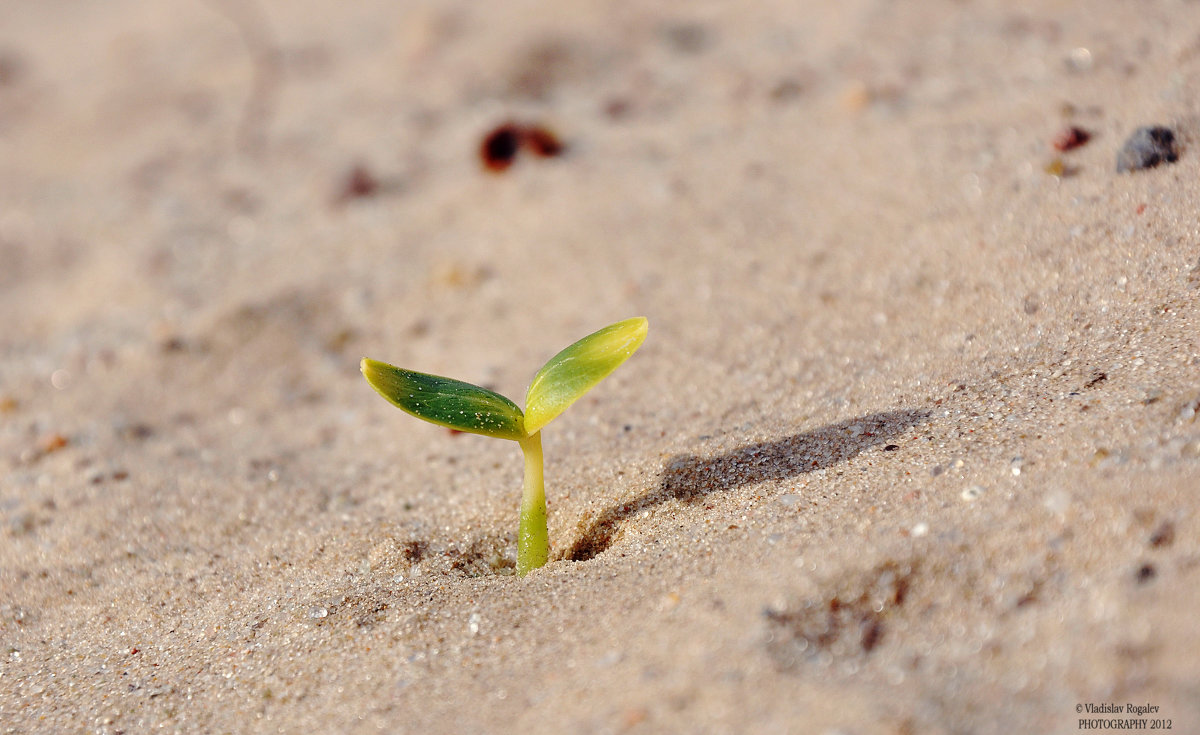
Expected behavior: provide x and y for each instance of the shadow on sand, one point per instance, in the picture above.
(690, 479)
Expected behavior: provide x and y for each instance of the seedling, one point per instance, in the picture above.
(466, 407)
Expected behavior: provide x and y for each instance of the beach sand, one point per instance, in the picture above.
(912, 445)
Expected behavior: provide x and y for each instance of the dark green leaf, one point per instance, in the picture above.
(446, 402)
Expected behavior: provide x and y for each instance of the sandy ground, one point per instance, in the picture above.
(912, 446)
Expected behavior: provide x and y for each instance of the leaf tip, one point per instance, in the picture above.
(372, 370)
(639, 326)
(376, 374)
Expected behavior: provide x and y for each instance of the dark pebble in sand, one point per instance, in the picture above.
(1070, 138)
(1146, 148)
(1146, 573)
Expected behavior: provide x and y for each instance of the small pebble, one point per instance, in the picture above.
(1146, 148)
(357, 183)
(499, 148)
(972, 493)
(1070, 138)
(60, 379)
(137, 431)
(1188, 412)
(1079, 60)
(51, 443)
(1016, 465)
(1164, 535)
(542, 142)
(1146, 573)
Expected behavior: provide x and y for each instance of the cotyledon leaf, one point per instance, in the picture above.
(575, 370)
(446, 402)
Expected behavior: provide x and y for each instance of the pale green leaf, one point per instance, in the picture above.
(446, 402)
(575, 370)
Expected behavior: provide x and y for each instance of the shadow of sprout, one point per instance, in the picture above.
(690, 479)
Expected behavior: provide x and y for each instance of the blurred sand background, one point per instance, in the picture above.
(912, 446)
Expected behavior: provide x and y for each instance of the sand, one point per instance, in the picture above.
(912, 446)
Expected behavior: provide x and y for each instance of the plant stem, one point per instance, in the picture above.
(533, 538)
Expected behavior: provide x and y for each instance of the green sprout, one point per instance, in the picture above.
(466, 407)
